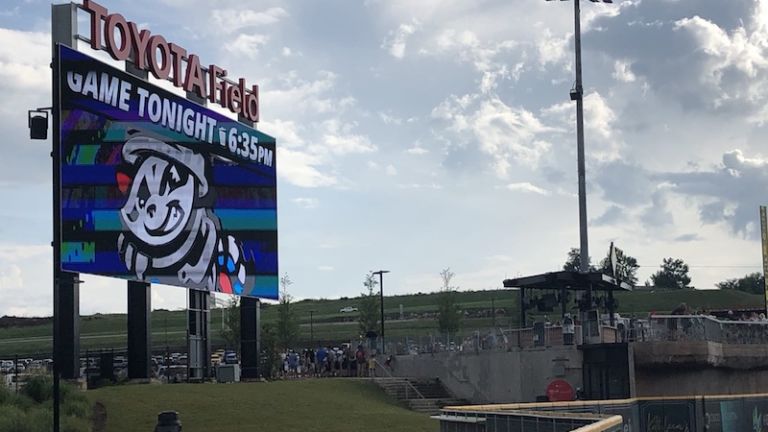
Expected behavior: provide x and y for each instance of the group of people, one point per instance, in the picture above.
(328, 362)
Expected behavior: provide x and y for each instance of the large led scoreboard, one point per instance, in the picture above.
(155, 187)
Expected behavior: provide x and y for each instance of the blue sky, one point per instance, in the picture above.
(419, 135)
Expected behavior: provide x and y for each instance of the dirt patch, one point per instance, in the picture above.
(98, 417)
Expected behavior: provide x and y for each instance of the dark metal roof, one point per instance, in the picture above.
(570, 280)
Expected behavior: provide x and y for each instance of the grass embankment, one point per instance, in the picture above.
(169, 327)
(30, 410)
(329, 405)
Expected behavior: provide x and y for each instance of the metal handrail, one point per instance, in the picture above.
(405, 381)
(602, 425)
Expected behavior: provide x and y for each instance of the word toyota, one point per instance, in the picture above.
(153, 53)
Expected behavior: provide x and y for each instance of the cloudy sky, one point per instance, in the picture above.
(419, 135)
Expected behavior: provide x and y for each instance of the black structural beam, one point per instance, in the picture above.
(139, 330)
(66, 288)
(570, 280)
(249, 337)
(67, 310)
(198, 341)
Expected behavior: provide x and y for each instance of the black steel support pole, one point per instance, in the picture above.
(611, 308)
(139, 330)
(311, 330)
(381, 303)
(522, 308)
(66, 357)
(249, 337)
(563, 301)
(69, 325)
(250, 321)
(584, 243)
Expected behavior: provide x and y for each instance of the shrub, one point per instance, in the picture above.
(13, 419)
(5, 395)
(39, 419)
(74, 424)
(39, 388)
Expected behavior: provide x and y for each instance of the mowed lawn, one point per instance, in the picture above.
(328, 405)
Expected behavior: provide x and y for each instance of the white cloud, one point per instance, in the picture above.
(466, 47)
(296, 96)
(24, 59)
(390, 170)
(605, 142)
(247, 44)
(505, 133)
(307, 203)
(552, 49)
(234, 20)
(527, 187)
(432, 186)
(286, 131)
(389, 119)
(25, 279)
(301, 169)
(732, 64)
(339, 139)
(325, 268)
(417, 150)
(622, 71)
(395, 43)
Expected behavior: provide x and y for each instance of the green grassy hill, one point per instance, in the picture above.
(169, 327)
(329, 405)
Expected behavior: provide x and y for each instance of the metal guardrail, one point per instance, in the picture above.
(606, 425)
(705, 328)
(409, 387)
(527, 421)
(500, 339)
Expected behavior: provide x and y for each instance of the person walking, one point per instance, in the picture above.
(360, 361)
(372, 365)
(320, 360)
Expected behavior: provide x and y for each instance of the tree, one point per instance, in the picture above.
(626, 266)
(573, 262)
(230, 332)
(448, 312)
(287, 325)
(369, 306)
(673, 274)
(753, 283)
(269, 358)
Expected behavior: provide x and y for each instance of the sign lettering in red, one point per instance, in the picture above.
(166, 60)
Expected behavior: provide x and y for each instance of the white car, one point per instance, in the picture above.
(348, 309)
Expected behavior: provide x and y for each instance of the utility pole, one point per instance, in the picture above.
(381, 303)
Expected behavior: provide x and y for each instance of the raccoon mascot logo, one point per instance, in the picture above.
(169, 227)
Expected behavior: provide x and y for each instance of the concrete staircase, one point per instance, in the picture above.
(422, 395)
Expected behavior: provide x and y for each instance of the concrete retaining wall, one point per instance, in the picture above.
(496, 376)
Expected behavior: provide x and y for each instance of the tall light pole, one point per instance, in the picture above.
(381, 303)
(577, 94)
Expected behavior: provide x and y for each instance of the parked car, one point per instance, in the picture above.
(230, 357)
(348, 309)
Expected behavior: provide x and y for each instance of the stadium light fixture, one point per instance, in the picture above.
(38, 123)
